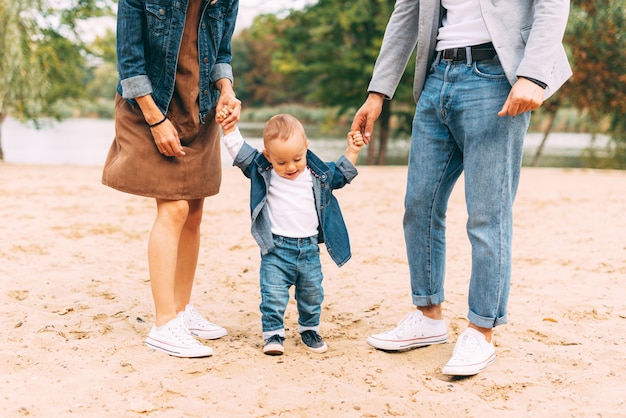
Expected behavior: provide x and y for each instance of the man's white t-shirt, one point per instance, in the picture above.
(463, 25)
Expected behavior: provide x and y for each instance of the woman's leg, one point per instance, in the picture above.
(188, 250)
(163, 250)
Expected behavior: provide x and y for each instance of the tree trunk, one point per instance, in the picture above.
(552, 110)
(385, 118)
(2, 117)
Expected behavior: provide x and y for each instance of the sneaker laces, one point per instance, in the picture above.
(275, 339)
(312, 336)
(195, 318)
(180, 332)
(466, 348)
(407, 323)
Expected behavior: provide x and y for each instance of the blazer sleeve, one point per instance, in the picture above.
(544, 55)
(398, 45)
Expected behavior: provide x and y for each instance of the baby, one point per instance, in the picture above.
(293, 209)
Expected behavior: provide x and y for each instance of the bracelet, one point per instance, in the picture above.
(158, 123)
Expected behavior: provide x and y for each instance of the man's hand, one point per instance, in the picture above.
(523, 97)
(366, 116)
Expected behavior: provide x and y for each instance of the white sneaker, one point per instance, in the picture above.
(415, 330)
(200, 327)
(472, 353)
(174, 339)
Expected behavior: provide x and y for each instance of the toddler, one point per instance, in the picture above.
(293, 209)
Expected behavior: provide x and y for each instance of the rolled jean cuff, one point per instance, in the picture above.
(483, 322)
(436, 299)
(137, 86)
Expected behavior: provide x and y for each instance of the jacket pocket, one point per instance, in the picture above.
(157, 16)
(525, 33)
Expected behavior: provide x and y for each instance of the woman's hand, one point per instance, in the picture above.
(167, 140)
(163, 132)
(228, 100)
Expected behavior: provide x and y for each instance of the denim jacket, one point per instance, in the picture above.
(326, 177)
(149, 36)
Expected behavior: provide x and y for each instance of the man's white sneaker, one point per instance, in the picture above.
(200, 327)
(174, 339)
(415, 330)
(472, 353)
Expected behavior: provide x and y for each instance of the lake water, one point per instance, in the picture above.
(87, 141)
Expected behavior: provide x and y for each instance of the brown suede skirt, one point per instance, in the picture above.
(134, 164)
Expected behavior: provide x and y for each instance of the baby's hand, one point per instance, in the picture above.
(223, 114)
(355, 140)
(355, 143)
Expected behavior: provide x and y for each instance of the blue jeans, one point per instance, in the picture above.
(292, 262)
(456, 128)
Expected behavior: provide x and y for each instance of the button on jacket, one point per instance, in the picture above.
(326, 178)
(150, 67)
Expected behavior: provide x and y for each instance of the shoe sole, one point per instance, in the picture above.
(273, 350)
(318, 350)
(406, 345)
(469, 370)
(181, 353)
(208, 335)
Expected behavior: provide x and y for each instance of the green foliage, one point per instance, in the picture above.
(306, 114)
(103, 84)
(320, 121)
(568, 119)
(21, 78)
(597, 45)
(322, 55)
(105, 47)
(329, 49)
(42, 59)
(257, 82)
(64, 66)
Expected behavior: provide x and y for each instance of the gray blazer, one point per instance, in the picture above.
(527, 35)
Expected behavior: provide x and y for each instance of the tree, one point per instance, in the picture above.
(328, 50)
(596, 43)
(17, 63)
(258, 83)
(42, 58)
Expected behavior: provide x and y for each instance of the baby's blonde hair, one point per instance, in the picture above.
(282, 127)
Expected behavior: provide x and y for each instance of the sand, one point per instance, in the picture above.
(76, 307)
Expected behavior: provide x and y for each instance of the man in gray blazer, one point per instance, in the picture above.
(481, 67)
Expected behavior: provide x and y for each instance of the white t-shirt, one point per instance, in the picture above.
(463, 25)
(290, 203)
(291, 206)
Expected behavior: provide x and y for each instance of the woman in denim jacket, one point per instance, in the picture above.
(293, 209)
(174, 68)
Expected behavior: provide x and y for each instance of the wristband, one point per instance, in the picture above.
(537, 82)
(158, 123)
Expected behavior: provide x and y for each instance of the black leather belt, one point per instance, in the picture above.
(479, 53)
